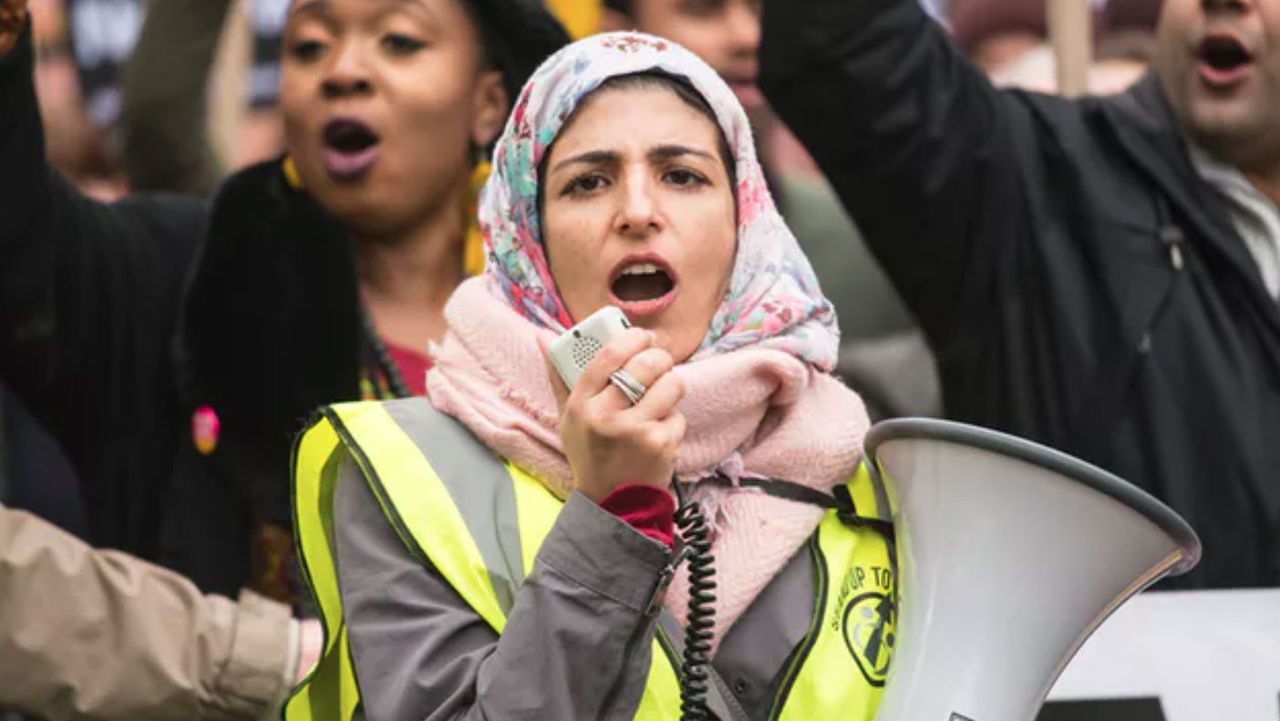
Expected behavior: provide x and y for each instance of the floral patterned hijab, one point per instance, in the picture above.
(773, 300)
(767, 409)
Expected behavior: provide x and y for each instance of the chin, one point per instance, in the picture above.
(751, 99)
(1218, 125)
(360, 211)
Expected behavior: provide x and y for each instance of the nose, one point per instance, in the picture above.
(742, 20)
(346, 74)
(638, 217)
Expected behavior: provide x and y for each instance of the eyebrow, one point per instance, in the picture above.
(608, 157)
(591, 157)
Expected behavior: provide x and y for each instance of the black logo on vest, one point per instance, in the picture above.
(869, 632)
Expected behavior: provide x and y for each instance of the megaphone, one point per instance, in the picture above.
(1010, 554)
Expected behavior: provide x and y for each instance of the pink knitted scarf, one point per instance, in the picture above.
(753, 412)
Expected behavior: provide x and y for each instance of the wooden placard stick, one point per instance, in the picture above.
(1071, 36)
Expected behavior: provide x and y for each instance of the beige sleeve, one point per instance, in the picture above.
(86, 633)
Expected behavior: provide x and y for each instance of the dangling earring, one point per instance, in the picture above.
(473, 244)
(291, 176)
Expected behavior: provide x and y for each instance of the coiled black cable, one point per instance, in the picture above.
(697, 643)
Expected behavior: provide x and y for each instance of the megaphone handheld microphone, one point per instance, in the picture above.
(570, 354)
(574, 349)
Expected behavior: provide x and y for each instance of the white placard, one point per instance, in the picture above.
(1207, 655)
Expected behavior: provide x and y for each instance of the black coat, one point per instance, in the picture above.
(88, 298)
(1080, 285)
(90, 340)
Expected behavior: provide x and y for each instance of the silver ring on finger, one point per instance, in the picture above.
(633, 389)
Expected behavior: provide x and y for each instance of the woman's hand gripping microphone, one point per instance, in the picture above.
(608, 439)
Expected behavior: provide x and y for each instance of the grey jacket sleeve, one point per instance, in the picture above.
(576, 643)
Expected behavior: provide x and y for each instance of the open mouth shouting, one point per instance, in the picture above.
(350, 148)
(1224, 61)
(642, 285)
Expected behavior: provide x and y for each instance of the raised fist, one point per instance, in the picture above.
(13, 17)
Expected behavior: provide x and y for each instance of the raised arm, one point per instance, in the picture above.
(576, 643)
(919, 146)
(88, 299)
(164, 123)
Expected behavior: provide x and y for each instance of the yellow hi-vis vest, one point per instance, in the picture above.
(480, 521)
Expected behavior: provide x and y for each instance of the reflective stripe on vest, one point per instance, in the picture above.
(479, 523)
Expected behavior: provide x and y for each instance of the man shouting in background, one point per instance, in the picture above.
(1100, 275)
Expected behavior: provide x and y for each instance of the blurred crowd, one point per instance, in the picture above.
(194, 99)
(176, 96)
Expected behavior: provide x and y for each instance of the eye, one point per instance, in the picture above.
(683, 177)
(304, 51)
(398, 44)
(584, 184)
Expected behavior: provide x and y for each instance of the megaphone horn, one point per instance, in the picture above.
(1010, 554)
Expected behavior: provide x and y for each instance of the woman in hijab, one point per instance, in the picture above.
(322, 276)
(626, 176)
